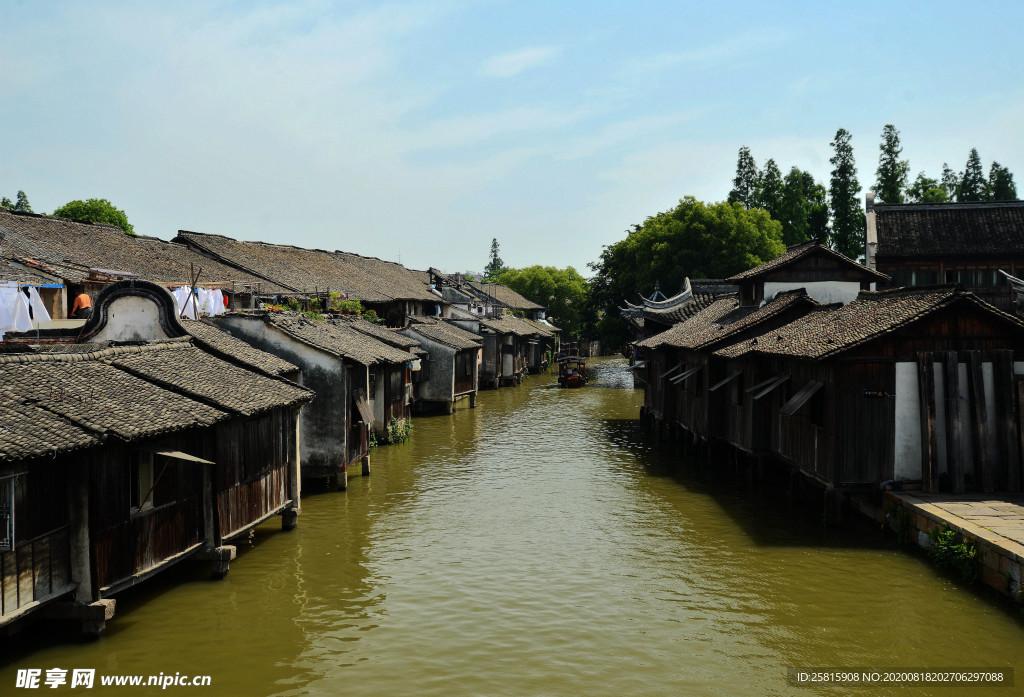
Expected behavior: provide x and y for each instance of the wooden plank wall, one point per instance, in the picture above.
(34, 571)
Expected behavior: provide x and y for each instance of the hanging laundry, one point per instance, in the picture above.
(39, 313)
(20, 312)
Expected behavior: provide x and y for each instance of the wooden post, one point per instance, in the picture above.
(929, 447)
(954, 434)
(983, 470)
(1008, 470)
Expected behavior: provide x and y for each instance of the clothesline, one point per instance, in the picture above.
(19, 311)
(203, 302)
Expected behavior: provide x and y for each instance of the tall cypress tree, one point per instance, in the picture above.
(847, 215)
(769, 189)
(795, 209)
(744, 189)
(892, 171)
(494, 265)
(950, 182)
(1000, 184)
(22, 205)
(972, 186)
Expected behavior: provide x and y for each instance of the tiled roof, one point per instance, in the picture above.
(832, 329)
(696, 325)
(444, 333)
(682, 312)
(71, 249)
(315, 270)
(214, 340)
(29, 430)
(799, 251)
(943, 229)
(94, 396)
(509, 324)
(379, 332)
(11, 270)
(207, 378)
(336, 338)
(504, 295)
(703, 331)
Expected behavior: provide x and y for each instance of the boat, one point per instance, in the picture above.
(572, 371)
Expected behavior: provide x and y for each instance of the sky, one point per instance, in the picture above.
(418, 131)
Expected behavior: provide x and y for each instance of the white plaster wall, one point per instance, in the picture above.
(1018, 368)
(907, 457)
(132, 318)
(822, 291)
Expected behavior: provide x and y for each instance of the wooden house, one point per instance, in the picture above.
(684, 381)
(967, 243)
(118, 461)
(450, 372)
(915, 385)
(825, 274)
(352, 373)
(504, 347)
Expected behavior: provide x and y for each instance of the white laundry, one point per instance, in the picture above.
(19, 311)
(39, 313)
(186, 302)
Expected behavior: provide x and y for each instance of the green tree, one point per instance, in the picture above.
(972, 185)
(818, 213)
(1000, 184)
(562, 291)
(892, 171)
(495, 265)
(6, 203)
(769, 189)
(794, 213)
(847, 215)
(950, 182)
(744, 190)
(95, 210)
(22, 205)
(924, 189)
(693, 240)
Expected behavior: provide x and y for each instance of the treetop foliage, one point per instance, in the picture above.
(562, 291)
(892, 171)
(95, 210)
(495, 265)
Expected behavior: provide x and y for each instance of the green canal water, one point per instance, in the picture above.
(539, 545)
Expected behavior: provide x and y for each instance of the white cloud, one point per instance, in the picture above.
(511, 64)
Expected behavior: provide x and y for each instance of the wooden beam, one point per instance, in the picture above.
(1008, 470)
(954, 434)
(984, 473)
(929, 446)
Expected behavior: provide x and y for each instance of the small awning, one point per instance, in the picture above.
(801, 398)
(682, 376)
(173, 454)
(763, 388)
(679, 365)
(363, 405)
(722, 383)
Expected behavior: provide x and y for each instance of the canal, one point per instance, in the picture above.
(539, 545)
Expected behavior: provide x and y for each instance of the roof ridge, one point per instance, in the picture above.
(99, 354)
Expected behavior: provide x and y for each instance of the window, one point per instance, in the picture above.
(142, 481)
(6, 514)
(372, 392)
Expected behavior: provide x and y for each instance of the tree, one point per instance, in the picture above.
(744, 189)
(972, 185)
(693, 240)
(950, 182)
(95, 210)
(794, 212)
(847, 215)
(769, 189)
(562, 291)
(924, 189)
(1000, 184)
(6, 203)
(818, 213)
(892, 171)
(495, 265)
(22, 205)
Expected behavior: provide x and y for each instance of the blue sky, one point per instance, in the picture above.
(420, 130)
